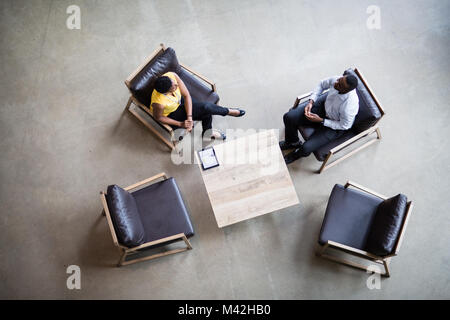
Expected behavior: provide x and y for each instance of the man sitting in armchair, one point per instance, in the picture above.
(331, 117)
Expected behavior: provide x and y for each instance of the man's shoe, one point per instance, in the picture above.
(292, 156)
(289, 145)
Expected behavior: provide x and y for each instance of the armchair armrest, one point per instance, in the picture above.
(166, 239)
(367, 190)
(355, 138)
(140, 183)
(300, 98)
(147, 109)
(212, 84)
(355, 251)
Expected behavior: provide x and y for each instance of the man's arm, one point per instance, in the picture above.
(321, 87)
(347, 115)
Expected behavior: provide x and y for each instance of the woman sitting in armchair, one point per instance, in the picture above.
(172, 104)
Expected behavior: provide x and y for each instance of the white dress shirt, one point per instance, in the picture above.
(341, 109)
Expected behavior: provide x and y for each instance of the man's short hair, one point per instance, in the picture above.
(352, 82)
(163, 84)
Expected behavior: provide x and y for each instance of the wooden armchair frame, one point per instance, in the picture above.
(385, 260)
(374, 129)
(133, 100)
(126, 251)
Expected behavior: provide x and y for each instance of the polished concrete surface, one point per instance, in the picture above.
(64, 138)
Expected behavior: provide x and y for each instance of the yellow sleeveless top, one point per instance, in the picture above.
(170, 101)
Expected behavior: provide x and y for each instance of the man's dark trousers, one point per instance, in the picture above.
(321, 136)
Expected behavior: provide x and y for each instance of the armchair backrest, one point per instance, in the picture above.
(388, 226)
(398, 244)
(141, 81)
(370, 111)
(123, 217)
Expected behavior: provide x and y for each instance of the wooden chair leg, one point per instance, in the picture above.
(378, 133)
(321, 249)
(122, 259)
(386, 268)
(173, 140)
(324, 163)
(188, 244)
(127, 107)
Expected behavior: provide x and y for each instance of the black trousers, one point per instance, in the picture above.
(321, 136)
(202, 111)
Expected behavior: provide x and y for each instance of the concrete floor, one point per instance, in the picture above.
(64, 138)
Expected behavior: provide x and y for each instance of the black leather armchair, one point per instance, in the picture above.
(141, 85)
(146, 218)
(370, 112)
(363, 223)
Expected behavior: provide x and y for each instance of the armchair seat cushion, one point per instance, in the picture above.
(198, 90)
(162, 210)
(386, 225)
(348, 217)
(125, 216)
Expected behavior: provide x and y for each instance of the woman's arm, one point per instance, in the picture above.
(158, 114)
(187, 98)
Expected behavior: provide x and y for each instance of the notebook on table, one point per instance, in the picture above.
(208, 158)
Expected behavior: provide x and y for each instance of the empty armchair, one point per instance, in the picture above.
(141, 85)
(365, 224)
(146, 218)
(365, 124)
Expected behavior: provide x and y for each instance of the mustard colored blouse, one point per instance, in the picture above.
(171, 101)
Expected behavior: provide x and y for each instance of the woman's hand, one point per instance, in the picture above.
(187, 124)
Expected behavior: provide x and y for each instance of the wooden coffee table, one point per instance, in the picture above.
(251, 179)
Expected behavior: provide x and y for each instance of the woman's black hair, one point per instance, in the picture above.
(163, 84)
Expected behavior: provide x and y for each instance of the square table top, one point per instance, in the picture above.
(251, 180)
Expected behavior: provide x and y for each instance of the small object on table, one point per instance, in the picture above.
(208, 158)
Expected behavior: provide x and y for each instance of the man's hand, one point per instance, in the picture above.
(308, 108)
(313, 117)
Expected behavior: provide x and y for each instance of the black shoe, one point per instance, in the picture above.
(292, 156)
(241, 112)
(289, 145)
